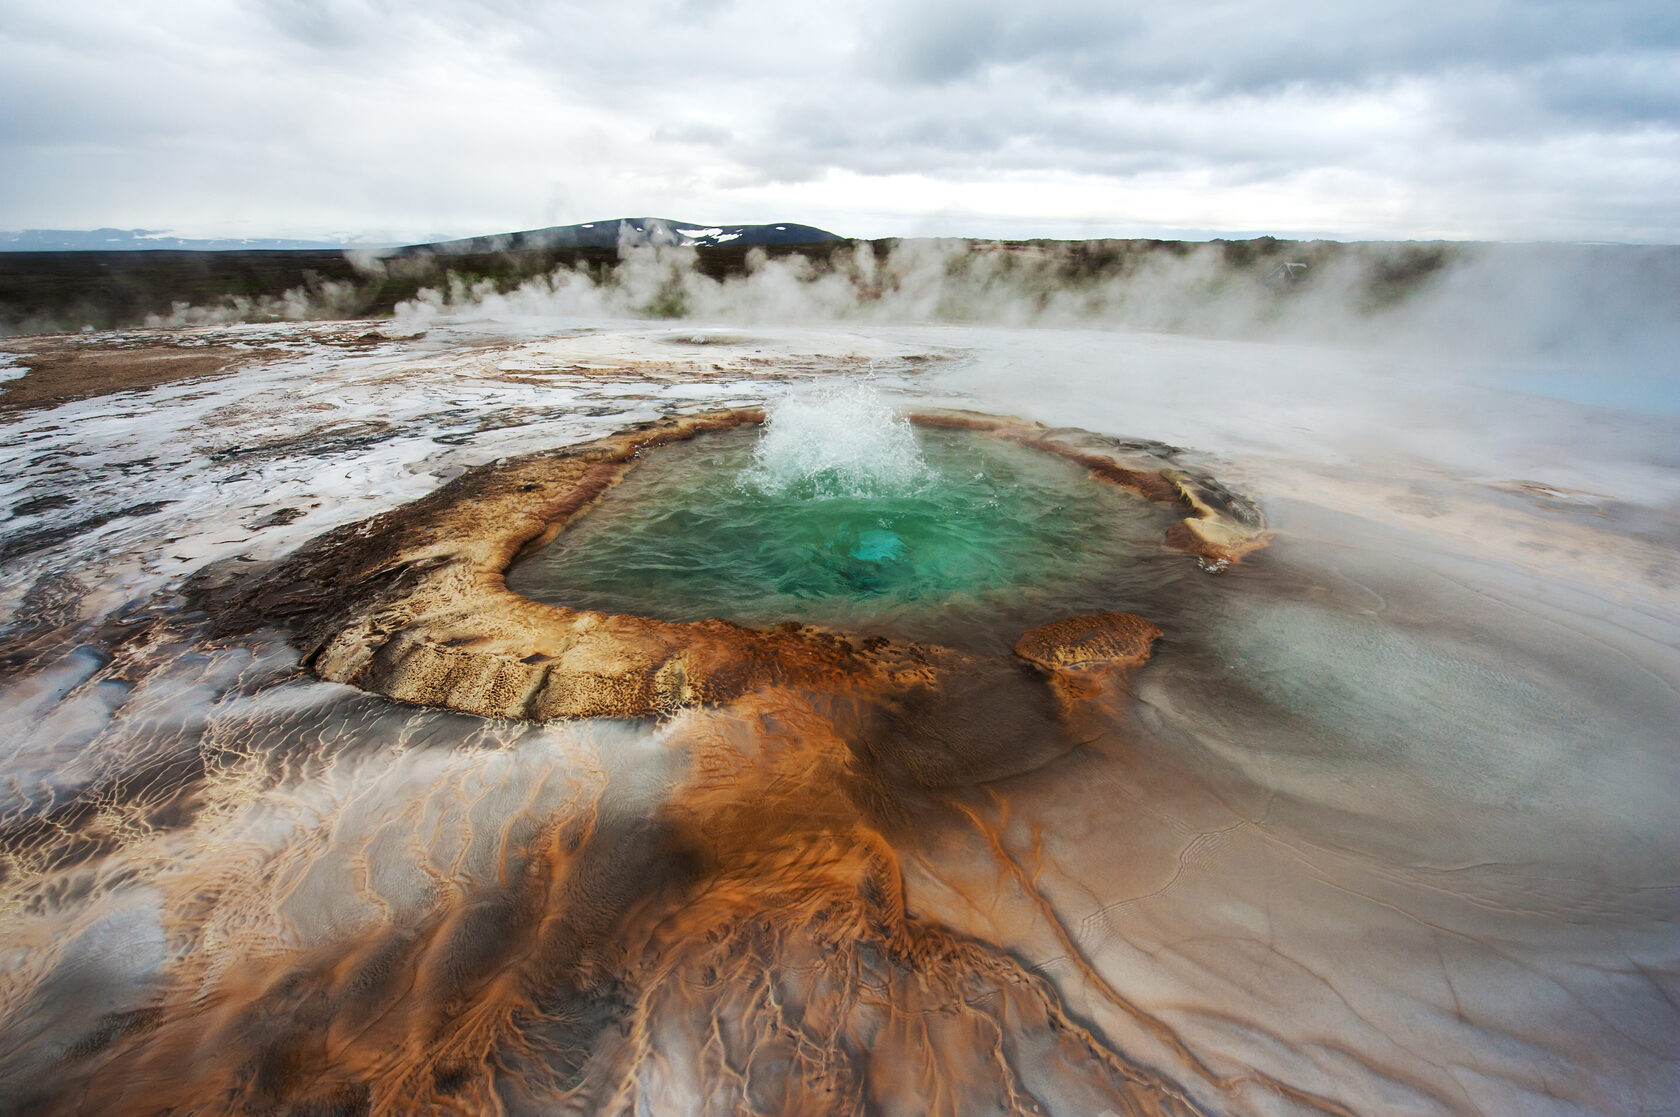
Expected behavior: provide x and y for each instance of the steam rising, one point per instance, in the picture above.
(1570, 302)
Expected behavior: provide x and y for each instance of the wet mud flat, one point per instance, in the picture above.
(1375, 827)
(60, 369)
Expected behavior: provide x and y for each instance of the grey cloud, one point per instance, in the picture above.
(699, 10)
(1247, 47)
(988, 86)
(320, 24)
(693, 132)
(346, 105)
(951, 40)
(1634, 88)
(968, 138)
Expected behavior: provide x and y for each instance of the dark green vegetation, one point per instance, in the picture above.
(52, 291)
(47, 292)
(44, 292)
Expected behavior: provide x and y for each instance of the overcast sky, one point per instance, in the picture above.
(1491, 119)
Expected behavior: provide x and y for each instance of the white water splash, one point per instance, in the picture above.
(836, 441)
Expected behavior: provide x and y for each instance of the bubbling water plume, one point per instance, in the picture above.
(840, 441)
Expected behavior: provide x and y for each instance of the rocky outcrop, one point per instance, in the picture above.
(1102, 640)
(1082, 655)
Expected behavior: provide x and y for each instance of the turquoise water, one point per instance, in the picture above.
(974, 528)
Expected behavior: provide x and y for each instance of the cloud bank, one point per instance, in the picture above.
(1486, 119)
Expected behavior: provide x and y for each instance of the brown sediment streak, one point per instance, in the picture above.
(413, 604)
(741, 945)
(379, 1021)
(71, 367)
(795, 979)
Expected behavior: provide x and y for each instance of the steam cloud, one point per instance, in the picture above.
(1504, 300)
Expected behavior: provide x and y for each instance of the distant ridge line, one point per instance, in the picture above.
(612, 233)
(151, 240)
(619, 232)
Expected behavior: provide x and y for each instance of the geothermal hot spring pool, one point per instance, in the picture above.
(398, 725)
(871, 524)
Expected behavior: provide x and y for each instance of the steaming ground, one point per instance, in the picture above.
(1385, 825)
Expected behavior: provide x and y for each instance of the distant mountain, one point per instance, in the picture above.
(627, 231)
(133, 240)
(592, 234)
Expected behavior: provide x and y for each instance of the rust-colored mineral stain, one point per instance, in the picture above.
(1084, 655)
(1118, 639)
(751, 928)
